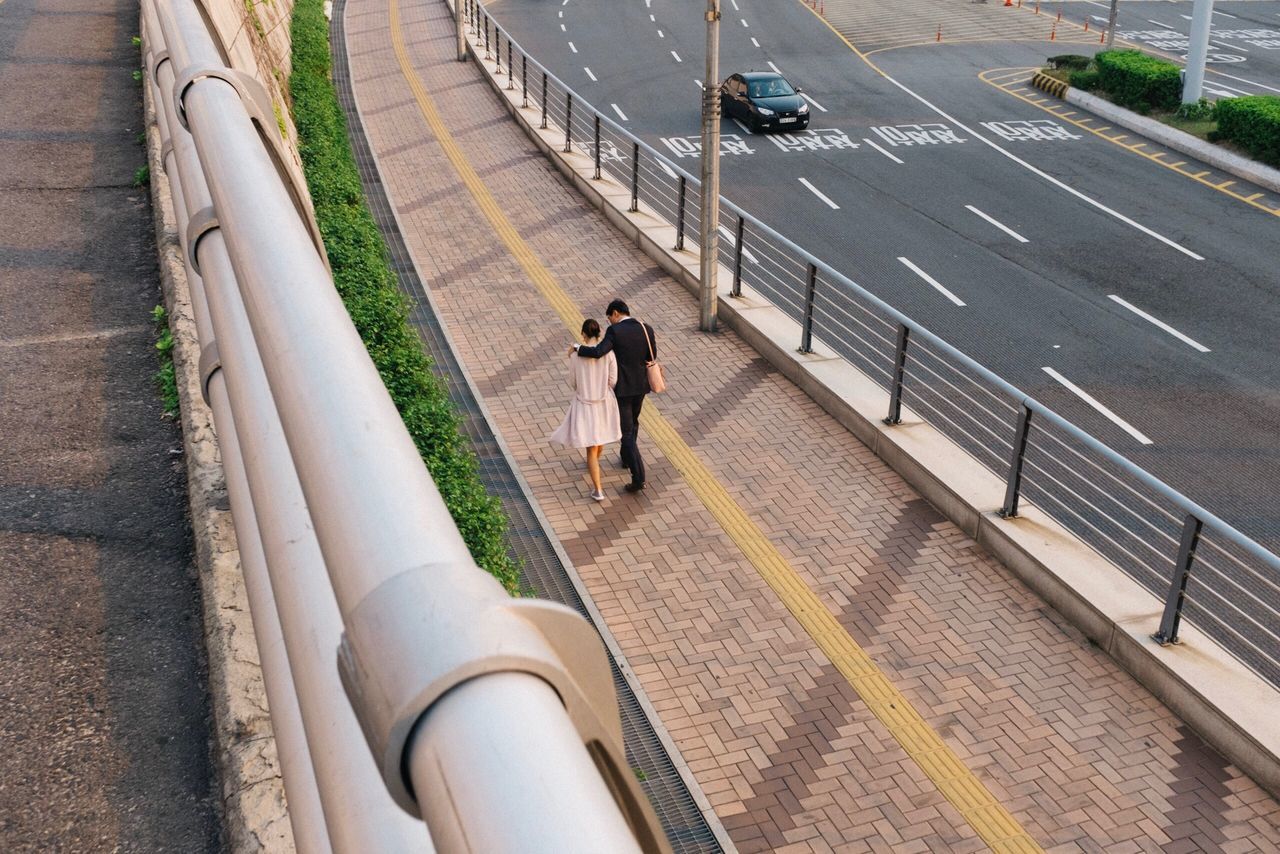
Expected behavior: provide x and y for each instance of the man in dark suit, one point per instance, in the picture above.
(634, 346)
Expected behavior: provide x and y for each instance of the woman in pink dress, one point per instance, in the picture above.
(592, 420)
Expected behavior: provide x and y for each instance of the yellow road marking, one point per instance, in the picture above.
(993, 823)
(1157, 157)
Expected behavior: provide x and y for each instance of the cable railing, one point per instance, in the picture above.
(1201, 567)
(415, 704)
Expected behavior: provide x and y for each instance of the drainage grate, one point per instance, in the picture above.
(543, 572)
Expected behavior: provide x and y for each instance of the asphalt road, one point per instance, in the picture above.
(1212, 418)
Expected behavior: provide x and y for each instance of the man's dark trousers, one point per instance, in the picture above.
(629, 416)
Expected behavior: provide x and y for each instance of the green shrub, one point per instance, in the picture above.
(1071, 61)
(1085, 80)
(1200, 111)
(380, 312)
(1253, 123)
(1138, 81)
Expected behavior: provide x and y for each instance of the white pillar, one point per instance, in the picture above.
(1201, 13)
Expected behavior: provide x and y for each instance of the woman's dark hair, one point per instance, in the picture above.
(590, 328)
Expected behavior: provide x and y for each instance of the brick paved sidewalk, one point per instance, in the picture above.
(790, 757)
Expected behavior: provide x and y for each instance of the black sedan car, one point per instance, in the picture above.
(763, 100)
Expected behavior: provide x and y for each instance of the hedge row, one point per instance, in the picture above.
(367, 285)
(1253, 123)
(1139, 81)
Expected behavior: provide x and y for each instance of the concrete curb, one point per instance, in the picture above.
(255, 816)
(1214, 155)
(1225, 702)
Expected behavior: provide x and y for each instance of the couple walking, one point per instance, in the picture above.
(609, 377)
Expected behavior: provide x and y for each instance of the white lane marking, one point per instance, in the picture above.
(677, 56)
(746, 253)
(1166, 327)
(648, 3)
(932, 281)
(562, 29)
(774, 67)
(698, 83)
(754, 42)
(1235, 89)
(652, 18)
(1099, 5)
(813, 103)
(1225, 15)
(1006, 229)
(734, 4)
(660, 35)
(667, 169)
(1221, 93)
(1096, 404)
(1158, 24)
(564, 2)
(589, 74)
(572, 48)
(618, 110)
(1231, 47)
(819, 194)
(745, 129)
(560, 14)
(1099, 19)
(1188, 17)
(744, 22)
(1243, 80)
(1046, 176)
(883, 151)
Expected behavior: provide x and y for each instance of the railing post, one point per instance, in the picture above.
(497, 42)
(1013, 489)
(511, 78)
(544, 100)
(568, 122)
(1168, 631)
(635, 177)
(597, 142)
(486, 38)
(680, 215)
(899, 374)
(736, 290)
(524, 80)
(806, 336)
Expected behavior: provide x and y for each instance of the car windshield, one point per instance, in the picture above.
(770, 88)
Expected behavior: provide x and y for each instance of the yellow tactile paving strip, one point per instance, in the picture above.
(1016, 82)
(991, 821)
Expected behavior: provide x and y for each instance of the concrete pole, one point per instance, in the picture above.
(1111, 24)
(460, 27)
(1201, 13)
(709, 243)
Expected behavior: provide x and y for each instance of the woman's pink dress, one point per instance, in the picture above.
(592, 418)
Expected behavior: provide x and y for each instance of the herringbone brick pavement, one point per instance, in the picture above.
(1085, 758)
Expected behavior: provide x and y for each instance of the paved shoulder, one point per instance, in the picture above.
(102, 702)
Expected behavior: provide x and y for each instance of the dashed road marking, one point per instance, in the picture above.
(1160, 323)
(589, 74)
(1006, 229)
(1099, 406)
(934, 283)
(820, 194)
(813, 103)
(572, 48)
(677, 56)
(883, 151)
(618, 110)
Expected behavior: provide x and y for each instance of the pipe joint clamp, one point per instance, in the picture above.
(201, 223)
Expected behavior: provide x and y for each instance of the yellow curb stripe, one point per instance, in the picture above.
(993, 77)
(960, 786)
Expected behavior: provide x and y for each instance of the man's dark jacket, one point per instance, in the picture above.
(631, 349)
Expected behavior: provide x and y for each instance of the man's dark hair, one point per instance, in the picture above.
(618, 306)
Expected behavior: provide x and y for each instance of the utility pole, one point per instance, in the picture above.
(1111, 24)
(1201, 15)
(709, 244)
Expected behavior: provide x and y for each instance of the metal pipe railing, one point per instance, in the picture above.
(421, 619)
(778, 285)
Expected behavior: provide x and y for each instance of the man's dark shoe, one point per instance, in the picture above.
(633, 487)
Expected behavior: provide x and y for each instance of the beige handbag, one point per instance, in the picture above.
(653, 368)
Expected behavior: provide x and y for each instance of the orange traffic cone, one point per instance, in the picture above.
(1037, 7)
(939, 38)
(1059, 16)
(1008, 2)
(1086, 25)
(1053, 34)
